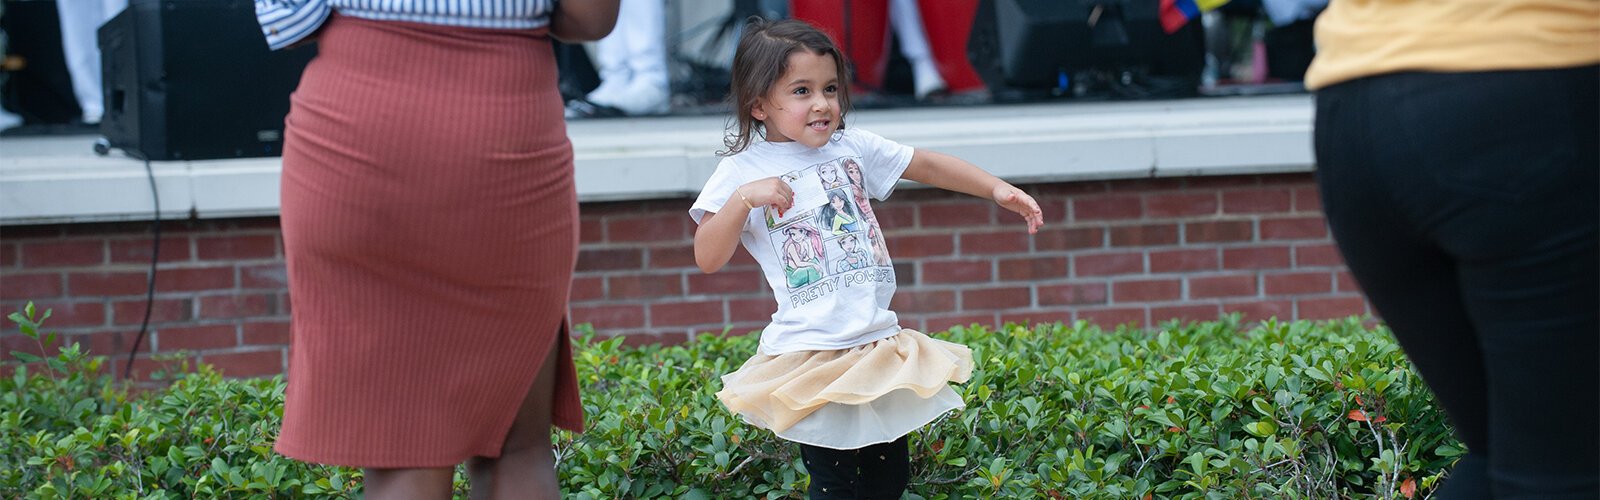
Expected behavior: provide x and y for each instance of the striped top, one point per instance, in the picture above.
(285, 22)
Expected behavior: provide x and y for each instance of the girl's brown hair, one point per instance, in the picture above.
(761, 58)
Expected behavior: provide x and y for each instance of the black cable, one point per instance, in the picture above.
(155, 256)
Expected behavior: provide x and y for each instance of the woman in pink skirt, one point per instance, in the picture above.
(429, 223)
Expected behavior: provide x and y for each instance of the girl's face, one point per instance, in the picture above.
(854, 171)
(803, 106)
(838, 202)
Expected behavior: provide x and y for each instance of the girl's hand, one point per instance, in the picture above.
(1015, 200)
(770, 191)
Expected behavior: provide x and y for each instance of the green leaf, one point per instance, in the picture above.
(1261, 428)
(1262, 407)
(696, 494)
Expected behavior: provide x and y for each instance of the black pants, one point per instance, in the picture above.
(1467, 207)
(878, 471)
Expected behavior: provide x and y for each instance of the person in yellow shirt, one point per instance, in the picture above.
(1458, 155)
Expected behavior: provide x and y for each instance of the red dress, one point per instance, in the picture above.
(430, 227)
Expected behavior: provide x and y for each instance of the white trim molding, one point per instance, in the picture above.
(49, 180)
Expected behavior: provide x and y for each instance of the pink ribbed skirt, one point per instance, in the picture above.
(429, 221)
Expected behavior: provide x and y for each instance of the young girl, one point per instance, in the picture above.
(835, 372)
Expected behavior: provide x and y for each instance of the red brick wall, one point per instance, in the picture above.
(1111, 252)
(220, 289)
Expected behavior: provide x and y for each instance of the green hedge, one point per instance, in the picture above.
(1207, 410)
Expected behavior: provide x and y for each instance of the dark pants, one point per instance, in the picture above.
(1467, 207)
(878, 471)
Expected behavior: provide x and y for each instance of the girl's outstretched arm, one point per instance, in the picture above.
(955, 174)
(718, 233)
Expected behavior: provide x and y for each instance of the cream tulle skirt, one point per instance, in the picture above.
(850, 398)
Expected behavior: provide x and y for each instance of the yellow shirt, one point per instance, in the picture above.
(1357, 38)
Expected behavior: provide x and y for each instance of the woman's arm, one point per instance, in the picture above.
(583, 20)
(955, 174)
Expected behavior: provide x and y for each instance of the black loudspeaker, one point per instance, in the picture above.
(194, 80)
(1031, 43)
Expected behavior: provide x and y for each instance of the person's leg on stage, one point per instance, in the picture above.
(610, 56)
(947, 37)
(80, 45)
(906, 20)
(649, 88)
(632, 63)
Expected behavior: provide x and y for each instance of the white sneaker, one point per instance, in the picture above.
(609, 90)
(8, 120)
(927, 79)
(639, 99)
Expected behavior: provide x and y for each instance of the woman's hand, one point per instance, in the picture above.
(583, 21)
(1015, 200)
(770, 191)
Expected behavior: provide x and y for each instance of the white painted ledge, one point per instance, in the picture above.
(59, 179)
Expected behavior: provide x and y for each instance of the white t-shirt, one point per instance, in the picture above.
(825, 258)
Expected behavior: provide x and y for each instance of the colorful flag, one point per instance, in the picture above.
(1176, 13)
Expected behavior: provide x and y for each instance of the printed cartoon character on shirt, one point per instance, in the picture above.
(858, 189)
(831, 229)
(828, 173)
(839, 216)
(852, 257)
(801, 253)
